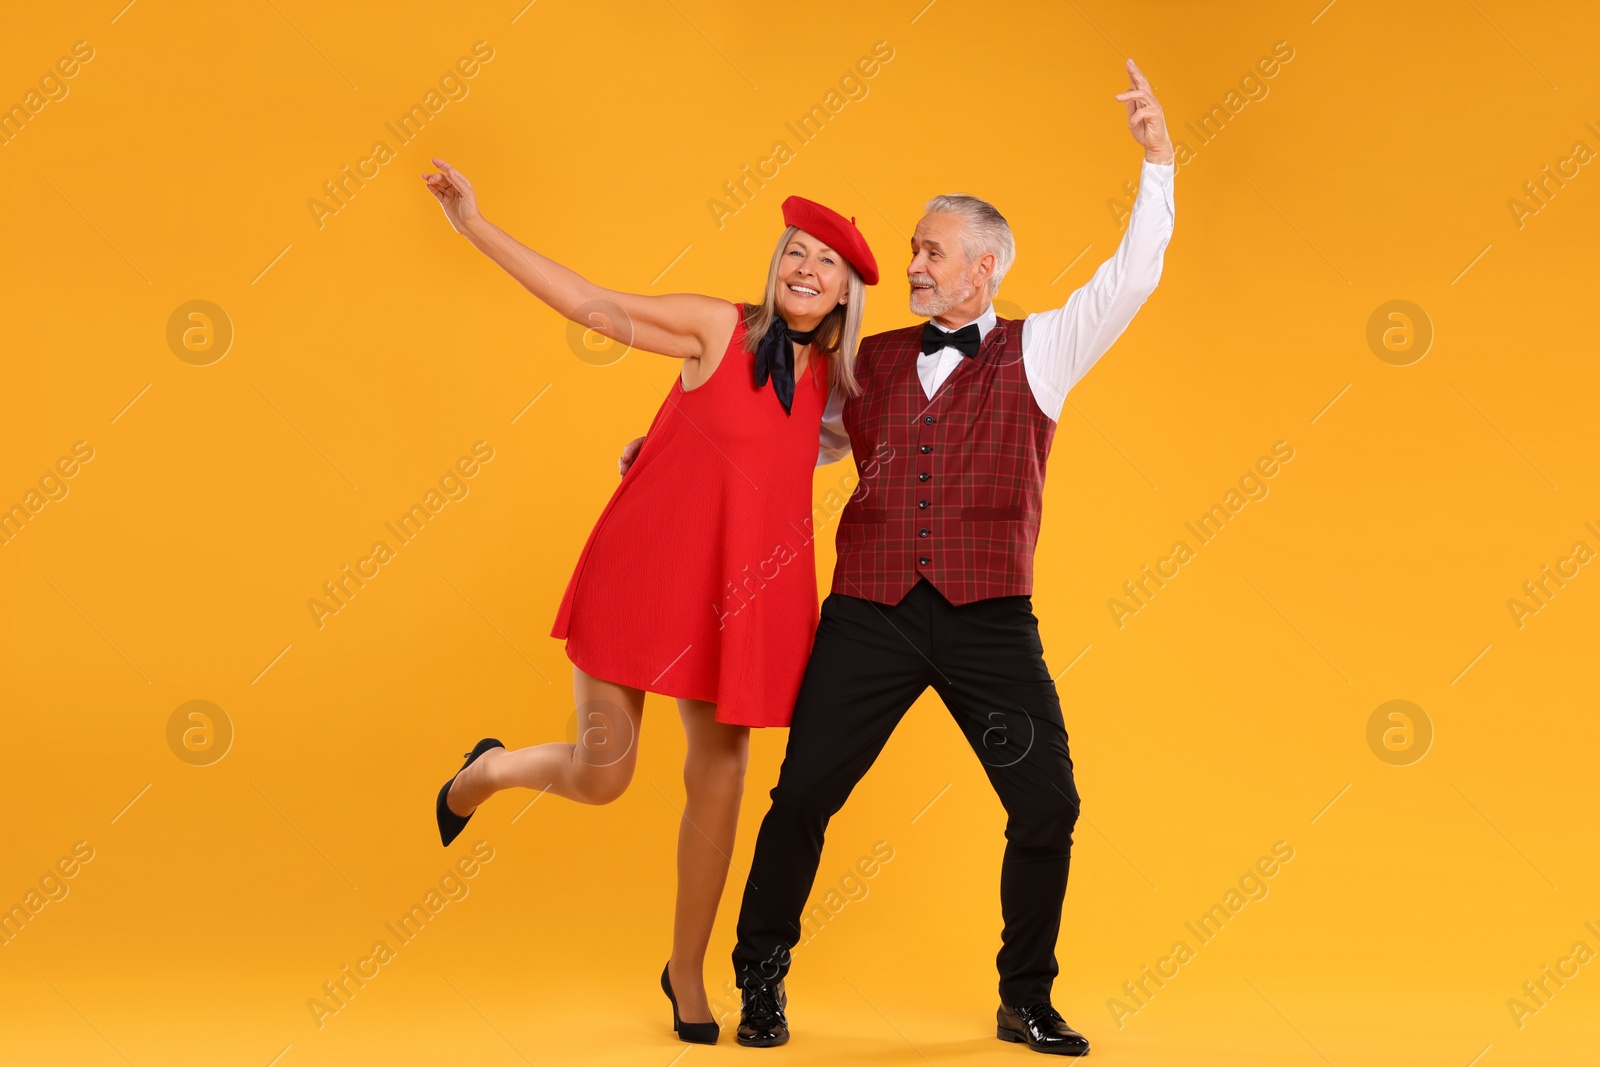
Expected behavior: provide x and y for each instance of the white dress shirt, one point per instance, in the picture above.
(1059, 346)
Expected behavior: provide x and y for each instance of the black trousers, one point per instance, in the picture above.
(869, 663)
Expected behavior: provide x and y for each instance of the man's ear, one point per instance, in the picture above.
(986, 264)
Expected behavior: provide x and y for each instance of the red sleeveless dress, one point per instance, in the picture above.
(699, 579)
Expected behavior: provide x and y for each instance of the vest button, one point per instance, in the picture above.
(924, 533)
(923, 560)
(924, 476)
(922, 503)
(928, 420)
(926, 449)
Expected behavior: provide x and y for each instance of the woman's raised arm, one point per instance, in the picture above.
(683, 325)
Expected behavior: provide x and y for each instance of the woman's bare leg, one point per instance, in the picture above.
(713, 780)
(595, 770)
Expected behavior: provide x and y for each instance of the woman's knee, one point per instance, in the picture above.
(717, 773)
(602, 785)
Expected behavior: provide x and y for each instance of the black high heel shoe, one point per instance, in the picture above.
(698, 1033)
(451, 824)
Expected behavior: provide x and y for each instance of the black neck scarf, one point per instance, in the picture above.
(775, 359)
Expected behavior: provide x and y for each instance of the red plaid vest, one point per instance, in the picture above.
(951, 488)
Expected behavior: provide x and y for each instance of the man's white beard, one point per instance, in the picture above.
(933, 302)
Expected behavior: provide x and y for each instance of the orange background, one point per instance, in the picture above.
(370, 352)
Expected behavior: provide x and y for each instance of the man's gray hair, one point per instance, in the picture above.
(986, 230)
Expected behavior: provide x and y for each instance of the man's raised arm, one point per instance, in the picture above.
(1059, 346)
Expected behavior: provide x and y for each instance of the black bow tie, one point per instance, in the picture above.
(967, 339)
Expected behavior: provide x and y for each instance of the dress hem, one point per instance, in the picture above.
(653, 688)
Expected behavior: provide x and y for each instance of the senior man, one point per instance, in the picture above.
(934, 577)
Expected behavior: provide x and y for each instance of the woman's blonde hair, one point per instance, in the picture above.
(838, 333)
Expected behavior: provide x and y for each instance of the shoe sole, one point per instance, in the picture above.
(1012, 1035)
(694, 1040)
(763, 1044)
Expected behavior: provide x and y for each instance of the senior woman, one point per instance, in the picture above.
(698, 580)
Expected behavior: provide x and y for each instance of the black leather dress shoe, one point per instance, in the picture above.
(761, 1019)
(1042, 1028)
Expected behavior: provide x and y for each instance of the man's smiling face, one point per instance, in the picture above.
(940, 275)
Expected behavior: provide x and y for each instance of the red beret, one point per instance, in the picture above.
(836, 231)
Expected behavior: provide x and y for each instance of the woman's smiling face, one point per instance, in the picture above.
(812, 281)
